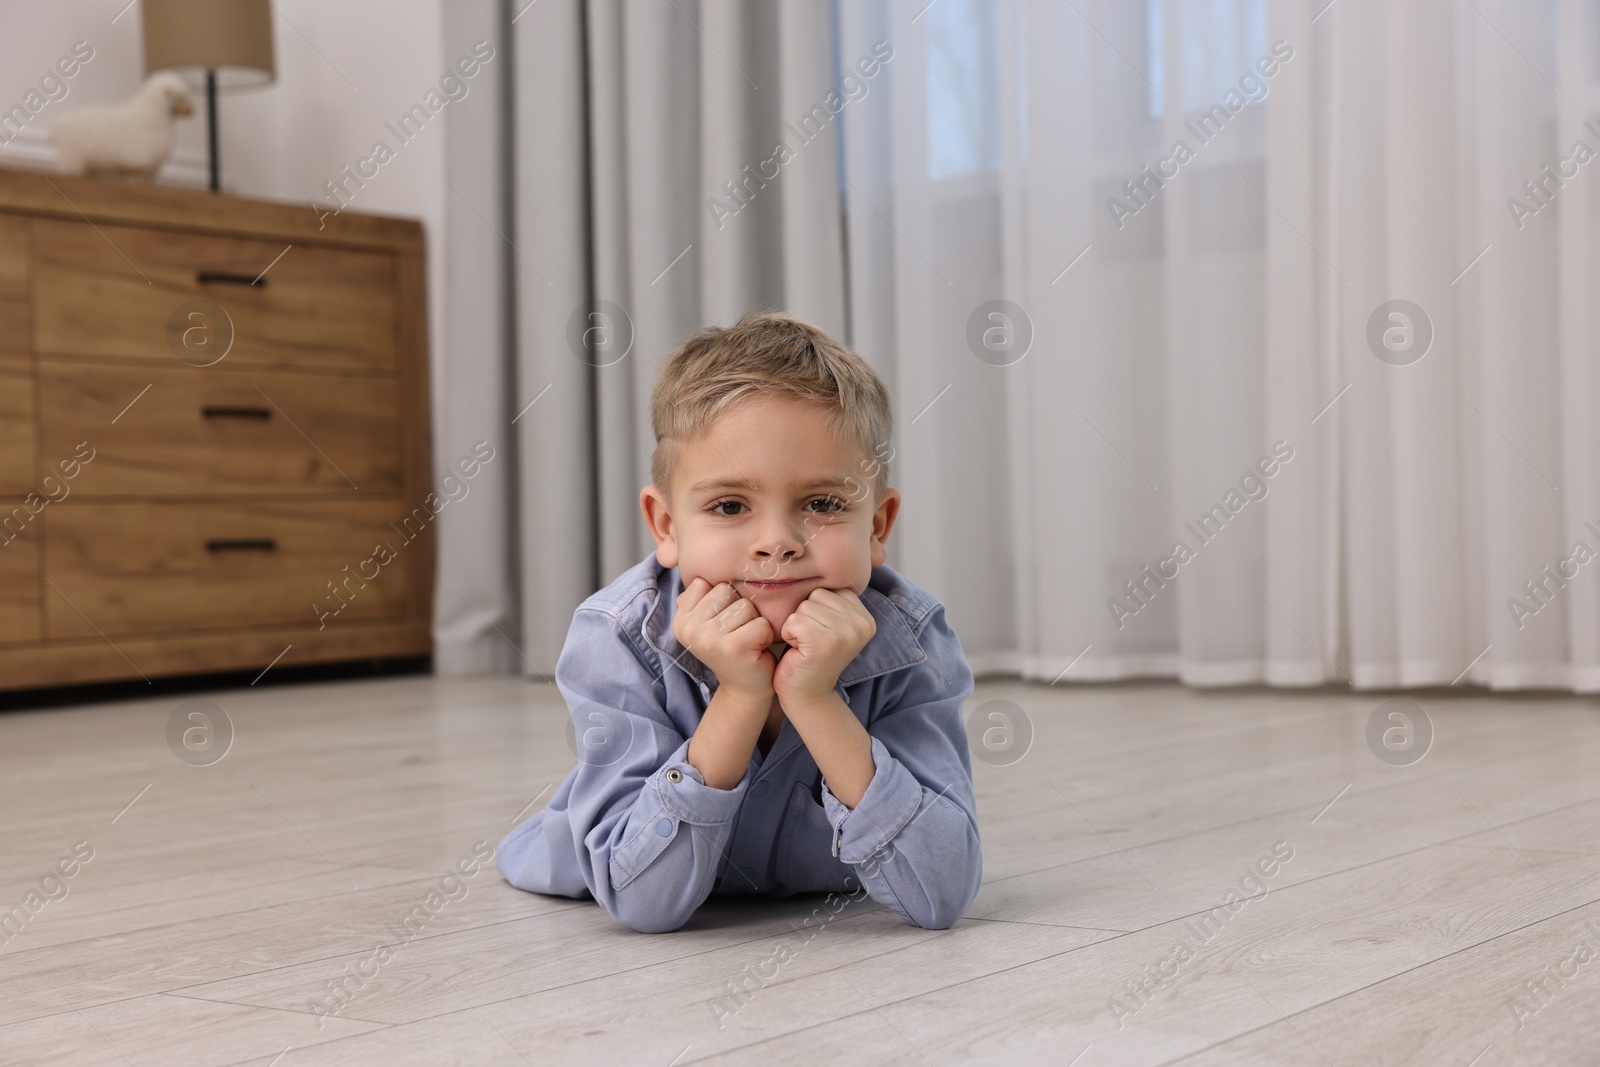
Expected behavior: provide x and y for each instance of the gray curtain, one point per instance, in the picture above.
(623, 189)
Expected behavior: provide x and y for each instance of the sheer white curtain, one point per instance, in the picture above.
(1320, 345)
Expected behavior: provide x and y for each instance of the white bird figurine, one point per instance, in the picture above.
(131, 139)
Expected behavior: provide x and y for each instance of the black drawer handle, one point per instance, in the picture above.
(243, 544)
(214, 411)
(224, 277)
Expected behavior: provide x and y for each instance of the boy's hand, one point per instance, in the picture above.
(727, 634)
(826, 632)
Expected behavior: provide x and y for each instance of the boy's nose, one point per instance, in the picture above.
(777, 546)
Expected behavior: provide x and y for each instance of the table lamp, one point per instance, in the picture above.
(224, 45)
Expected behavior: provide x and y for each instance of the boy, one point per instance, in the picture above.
(762, 706)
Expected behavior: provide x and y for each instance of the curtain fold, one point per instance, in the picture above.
(1235, 341)
(476, 600)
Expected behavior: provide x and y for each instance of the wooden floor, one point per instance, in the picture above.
(222, 901)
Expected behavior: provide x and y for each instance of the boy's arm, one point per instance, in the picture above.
(838, 743)
(913, 837)
(648, 831)
(726, 737)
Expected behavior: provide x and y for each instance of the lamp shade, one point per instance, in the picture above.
(231, 37)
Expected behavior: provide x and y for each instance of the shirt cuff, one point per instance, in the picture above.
(685, 795)
(891, 800)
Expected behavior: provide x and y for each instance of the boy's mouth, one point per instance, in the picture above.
(762, 587)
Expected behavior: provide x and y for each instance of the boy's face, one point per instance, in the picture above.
(805, 516)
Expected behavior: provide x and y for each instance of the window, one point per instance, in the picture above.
(1220, 39)
(963, 105)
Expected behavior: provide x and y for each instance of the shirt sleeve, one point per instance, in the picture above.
(649, 834)
(913, 838)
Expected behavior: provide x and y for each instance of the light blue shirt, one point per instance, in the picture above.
(635, 826)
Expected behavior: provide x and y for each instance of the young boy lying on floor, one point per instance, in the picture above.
(762, 706)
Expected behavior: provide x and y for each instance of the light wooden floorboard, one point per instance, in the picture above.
(221, 900)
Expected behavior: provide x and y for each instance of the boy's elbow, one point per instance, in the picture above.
(948, 902)
(653, 923)
(660, 896)
(648, 916)
(942, 914)
(942, 919)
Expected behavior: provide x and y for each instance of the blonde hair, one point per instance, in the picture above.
(763, 354)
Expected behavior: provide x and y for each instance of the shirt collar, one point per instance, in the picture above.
(892, 647)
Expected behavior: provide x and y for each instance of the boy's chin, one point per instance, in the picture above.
(776, 615)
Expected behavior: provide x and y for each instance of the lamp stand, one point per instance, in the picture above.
(211, 127)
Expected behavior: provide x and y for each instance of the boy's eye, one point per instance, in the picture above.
(832, 505)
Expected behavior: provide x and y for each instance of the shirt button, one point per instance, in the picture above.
(664, 827)
(674, 775)
(760, 788)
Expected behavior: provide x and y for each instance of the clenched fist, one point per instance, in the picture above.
(828, 630)
(728, 635)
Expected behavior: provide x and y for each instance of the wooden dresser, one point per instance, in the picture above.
(213, 434)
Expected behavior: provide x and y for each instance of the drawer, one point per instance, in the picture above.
(150, 568)
(19, 574)
(193, 432)
(121, 291)
(15, 285)
(16, 424)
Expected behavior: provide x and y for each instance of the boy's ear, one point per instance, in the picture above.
(882, 522)
(659, 520)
